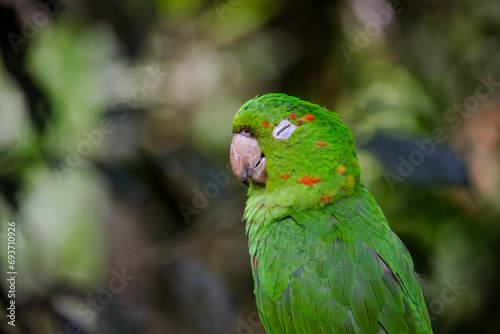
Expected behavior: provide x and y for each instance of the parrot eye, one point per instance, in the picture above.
(284, 130)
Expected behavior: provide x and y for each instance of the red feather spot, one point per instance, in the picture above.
(254, 262)
(284, 177)
(308, 181)
(260, 238)
(265, 124)
(308, 117)
(292, 116)
(321, 143)
(341, 170)
(350, 183)
(326, 199)
(299, 123)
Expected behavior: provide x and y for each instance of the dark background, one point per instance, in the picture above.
(115, 125)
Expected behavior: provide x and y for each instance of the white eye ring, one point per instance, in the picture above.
(284, 130)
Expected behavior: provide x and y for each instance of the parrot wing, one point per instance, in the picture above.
(337, 270)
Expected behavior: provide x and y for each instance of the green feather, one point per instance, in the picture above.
(366, 315)
(342, 280)
(327, 260)
(371, 290)
(393, 295)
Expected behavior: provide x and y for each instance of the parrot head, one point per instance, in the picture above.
(292, 154)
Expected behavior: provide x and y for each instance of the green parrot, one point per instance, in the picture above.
(323, 256)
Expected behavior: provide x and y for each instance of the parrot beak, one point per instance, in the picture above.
(247, 159)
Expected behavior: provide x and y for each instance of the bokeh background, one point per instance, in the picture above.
(115, 125)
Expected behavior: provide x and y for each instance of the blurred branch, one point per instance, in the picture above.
(14, 58)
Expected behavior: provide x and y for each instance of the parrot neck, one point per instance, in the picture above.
(267, 204)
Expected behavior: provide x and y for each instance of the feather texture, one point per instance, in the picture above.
(324, 258)
(324, 275)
